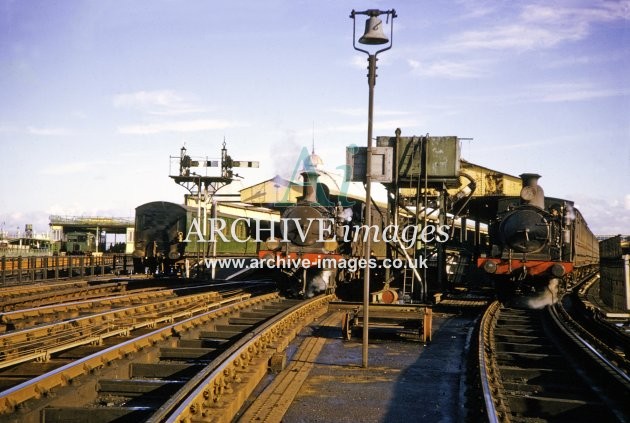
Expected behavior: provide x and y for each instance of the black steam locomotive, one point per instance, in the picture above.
(537, 240)
(317, 240)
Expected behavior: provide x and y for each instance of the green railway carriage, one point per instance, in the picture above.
(169, 234)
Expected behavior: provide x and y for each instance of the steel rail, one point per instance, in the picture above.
(491, 381)
(207, 395)
(40, 342)
(20, 290)
(48, 297)
(43, 384)
(575, 331)
(487, 370)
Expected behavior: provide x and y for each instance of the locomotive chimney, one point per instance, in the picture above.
(309, 189)
(309, 177)
(532, 193)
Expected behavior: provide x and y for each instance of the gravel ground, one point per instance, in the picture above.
(406, 381)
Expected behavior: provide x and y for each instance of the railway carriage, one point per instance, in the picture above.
(167, 234)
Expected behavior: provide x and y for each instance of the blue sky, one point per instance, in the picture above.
(95, 95)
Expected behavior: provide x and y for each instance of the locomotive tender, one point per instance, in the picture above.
(536, 239)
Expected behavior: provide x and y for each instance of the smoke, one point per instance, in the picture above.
(570, 213)
(547, 297)
(285, 153)
(318, 283)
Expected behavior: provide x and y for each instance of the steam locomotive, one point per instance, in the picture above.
(535, 240)
(317, 238)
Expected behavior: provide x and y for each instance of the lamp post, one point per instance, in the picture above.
(373, 35)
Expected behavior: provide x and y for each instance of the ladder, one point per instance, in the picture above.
(410, 274)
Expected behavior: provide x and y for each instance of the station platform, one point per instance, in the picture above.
(405, 380)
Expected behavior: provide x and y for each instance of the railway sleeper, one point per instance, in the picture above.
(524, 347)
(547, 388)
(540, 376)
(243, 321)
(519, 338)
(95, 415)
(201, 343)
(258, 314)
(163, 370)
(222, 334)
(551, 361)
(517, 331)
(554, 409)
(230, 327)
(137, 387)
(179, 353)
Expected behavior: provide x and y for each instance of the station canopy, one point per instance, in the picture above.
(112, 225)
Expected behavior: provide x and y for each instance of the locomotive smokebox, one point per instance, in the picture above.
(532, 193)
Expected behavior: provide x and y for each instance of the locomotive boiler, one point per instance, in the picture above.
(537, 240)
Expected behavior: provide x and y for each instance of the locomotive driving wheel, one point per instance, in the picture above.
(346, 326)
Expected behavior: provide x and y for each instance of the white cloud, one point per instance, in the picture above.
(47, 131)
(605, 217)
(582, 94)
(446, 69)
(179, 126)
(65, 169)
(563, 92)
(539, 27)
(362, 112)
(475, 9)
(76, 167)
(160, 102)
(12, 223)
(380, 125)
(552, 93)
(357, 112)
(7, 129)
(518, 146)
(514, 37)
(359, 62)
(605, 11)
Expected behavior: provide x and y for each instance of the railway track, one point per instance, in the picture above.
(27, 317)
(534, 366)
(54, 295)
(42, 341)
(206, 364)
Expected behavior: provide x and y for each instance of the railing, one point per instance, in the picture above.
(24, 251)
(20, 269)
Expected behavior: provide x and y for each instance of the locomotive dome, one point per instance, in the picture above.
(313, 162)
